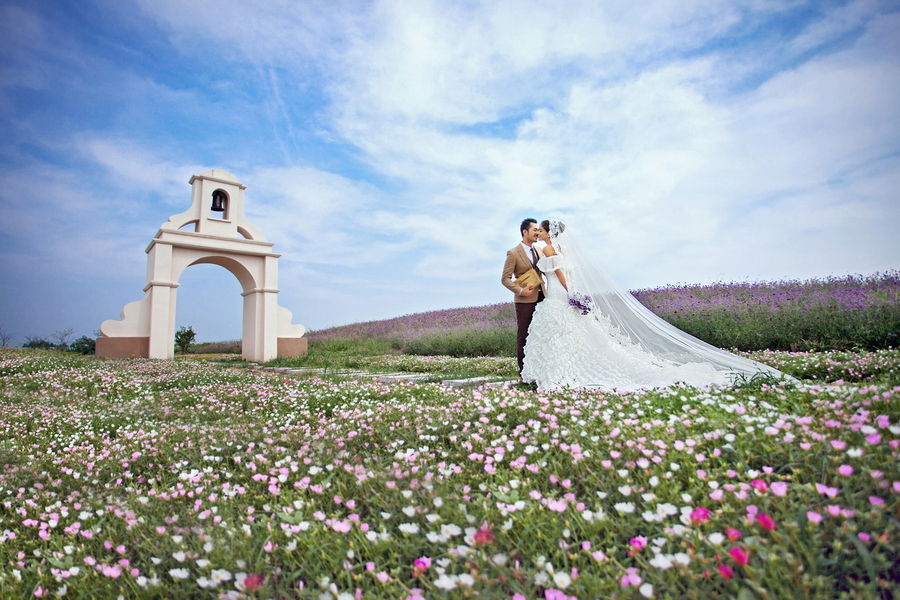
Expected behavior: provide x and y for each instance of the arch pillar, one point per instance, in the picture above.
(222, 236)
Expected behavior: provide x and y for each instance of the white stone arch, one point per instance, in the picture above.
(221, 237)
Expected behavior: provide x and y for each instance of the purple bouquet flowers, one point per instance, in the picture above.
(581, 302)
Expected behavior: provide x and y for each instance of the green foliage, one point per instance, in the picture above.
(184, 337)
(228, 347)
(497, 341)
(84, 345)
(36, 342)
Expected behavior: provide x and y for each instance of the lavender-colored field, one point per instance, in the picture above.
(855, 311)
(846, 294)
(426, 324)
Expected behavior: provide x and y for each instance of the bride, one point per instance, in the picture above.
(588, 332)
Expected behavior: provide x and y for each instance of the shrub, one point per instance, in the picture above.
(84, 345)
(184, 337)
(37, 341)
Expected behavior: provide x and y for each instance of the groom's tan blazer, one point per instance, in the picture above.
(517, 263)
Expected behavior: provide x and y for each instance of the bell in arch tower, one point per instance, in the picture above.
(214, 230)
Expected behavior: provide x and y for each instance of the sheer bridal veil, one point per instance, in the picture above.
(633, 323)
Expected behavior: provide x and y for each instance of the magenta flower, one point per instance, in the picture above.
(765, 521)
(733, 534)
(876, 501)
(484, 536)
(700, 515)
(253, 581)
(726, 571)
(759, 485)
(740, 555)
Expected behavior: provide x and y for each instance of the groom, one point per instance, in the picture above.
(518, 261)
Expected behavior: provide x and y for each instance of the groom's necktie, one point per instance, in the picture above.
(534, 257)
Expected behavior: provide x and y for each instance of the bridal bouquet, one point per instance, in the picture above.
(581, 302)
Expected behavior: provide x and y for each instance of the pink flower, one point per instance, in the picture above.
(740, 555)
(717, 495)
(382, 577)
(484, 536)
(765, 521)
(876, 501)
(114, 572)
(421, 565)
(726, 571)
(700, 515)
(253, 581)
(631, 578)
(845, 470)
(733, 534)
(864, 536)
(759, 485)
(833, 510)
(637, 543)
(826, 491)
(814, 517)
(598, 556)
(779, 488)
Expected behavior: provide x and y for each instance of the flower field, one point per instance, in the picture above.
(160, 479)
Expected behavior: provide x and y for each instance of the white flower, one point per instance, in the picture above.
(62, 591)
(466, 579)
(716, 538)
(179, 556)
(646, 590)
(682, 558)
(445, 582)
(410, 528)
(179, 573)
(409, 510)
(499, 559)
(540, 578)
(562, 580)
(625, 490)
(661, 561)
(205, 583)
(220, 575)
(451, 530)
(624, 507)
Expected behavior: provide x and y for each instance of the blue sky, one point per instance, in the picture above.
(391, 148)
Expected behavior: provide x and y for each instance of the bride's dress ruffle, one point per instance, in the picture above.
(568, 349)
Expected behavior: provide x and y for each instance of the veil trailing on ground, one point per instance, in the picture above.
(631, 321)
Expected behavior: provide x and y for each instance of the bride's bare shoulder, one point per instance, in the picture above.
(549, 250)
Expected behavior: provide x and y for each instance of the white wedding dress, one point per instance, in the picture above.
(618, 344)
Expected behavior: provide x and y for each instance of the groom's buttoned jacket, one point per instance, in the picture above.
(517, 264)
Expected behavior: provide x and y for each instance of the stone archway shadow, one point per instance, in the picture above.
(222, 236)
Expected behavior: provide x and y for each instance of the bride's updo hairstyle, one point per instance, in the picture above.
(554, 231)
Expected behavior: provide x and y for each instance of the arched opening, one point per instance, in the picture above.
(210, 301)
